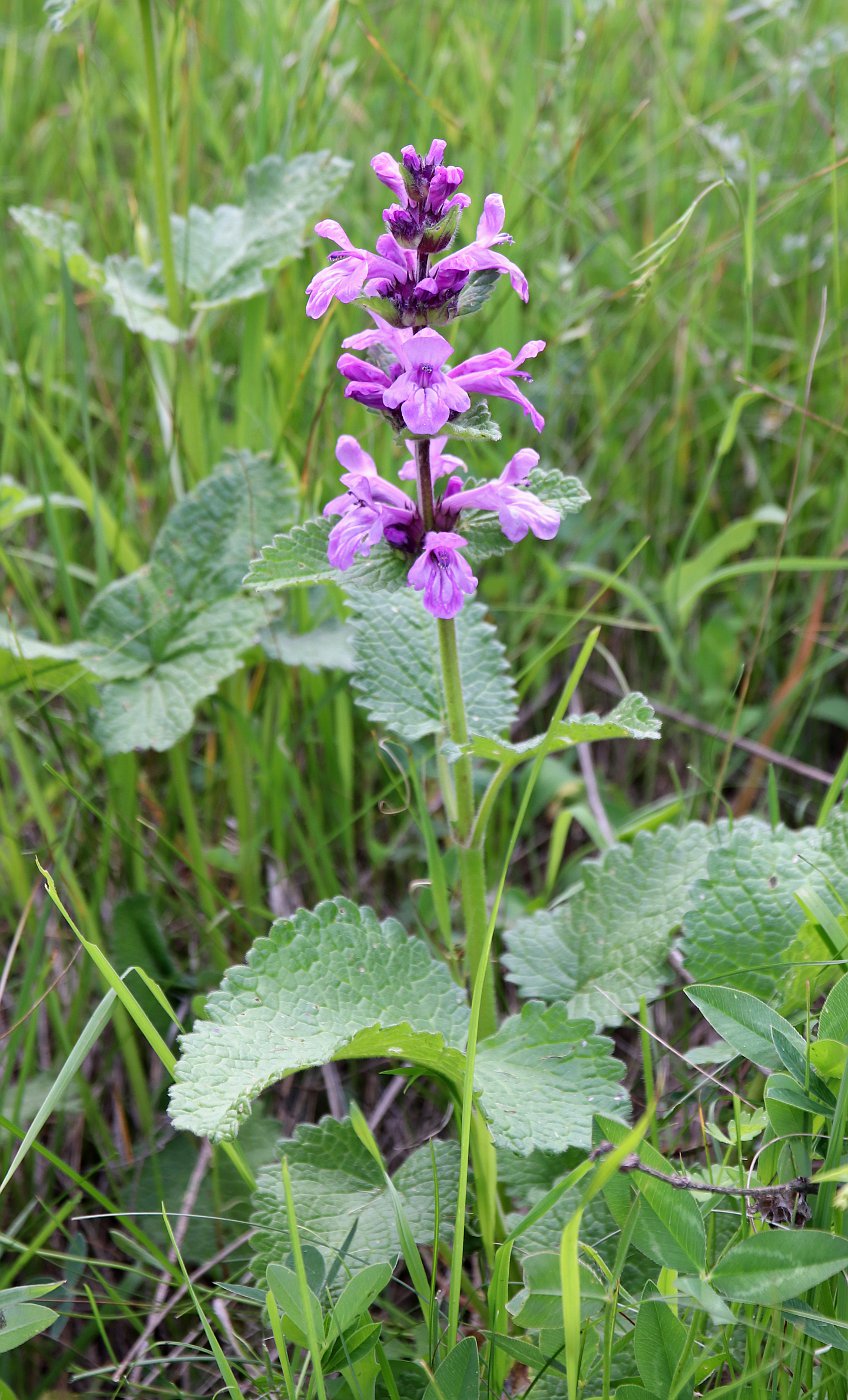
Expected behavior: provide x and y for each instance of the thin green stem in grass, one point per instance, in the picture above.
(477, 998)
(158, 158)
(197, 857)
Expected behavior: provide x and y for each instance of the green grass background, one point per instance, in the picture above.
(600, 124)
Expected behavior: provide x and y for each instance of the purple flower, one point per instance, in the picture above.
(425, 395)
(441, 463)
(442, 573)
(480, 255)
(493, 373)
(368, 382)
(517, 509)
(349, 270)
(369, 508)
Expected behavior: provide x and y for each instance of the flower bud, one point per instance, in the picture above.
(438, 234)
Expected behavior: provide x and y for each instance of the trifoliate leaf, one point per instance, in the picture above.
(606, 946)
(541, 1078)
(397, 673)
(743, 915)
(632, 718)
(165, 636)
(331, 984)
(299, 556)
(338, 1188)
(222, 255)
(59, 238)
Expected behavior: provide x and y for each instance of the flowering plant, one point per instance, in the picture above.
(406, 379)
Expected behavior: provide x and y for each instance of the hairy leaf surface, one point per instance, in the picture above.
(397, 673)
(337, 1188)
(607, 946)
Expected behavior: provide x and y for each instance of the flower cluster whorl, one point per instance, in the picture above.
(406, 378)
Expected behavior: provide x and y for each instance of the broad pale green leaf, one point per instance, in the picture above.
(329, 646)
(61, 13)
(343, 1205)
(542, 1077)
(669, 1228)
(22, 1322)
(833, 1021)
(475, 425)
(333, 983)
(136, 294)
(225, 254)
(26, 661)
(299, 556)
(168, 634)
(60, 239)
(397, 673)
(607, 945)
(632, 718)
(745, 1022)
(772, 1267)
(567, 494)
(538, 1305)
(744, 917)
(659, 1341)
(187, 653)
(458, 1377)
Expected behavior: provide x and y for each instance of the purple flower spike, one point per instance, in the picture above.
(517, 509)
(386, 168)
(442, 573)
(441, 463)
(424, 394)
(493, 373)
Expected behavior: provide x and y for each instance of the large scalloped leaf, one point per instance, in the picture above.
(223, 255)
(337, 984)
(397, 673)
(331, 984)
(520, 1069)
(337, 1187)
(164, 637)
(606, 946)
(743, 914)
(632, 718)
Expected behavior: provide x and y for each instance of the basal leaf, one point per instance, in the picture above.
(224, 254)
(187, 653)
(59, 238)
(165, 636)
(136, 294)
(328, 646)
(607, 945)
(397, 673)
(744, 916)
(542, 1078)
(331, 984)
(342, 1203)
(26, 661)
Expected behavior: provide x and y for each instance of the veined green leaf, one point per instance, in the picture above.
(397, 673)
(632, 718)
(607, 945)
(762, 1269)
(343, 1204)
(745, 1022)
(670, 1228)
